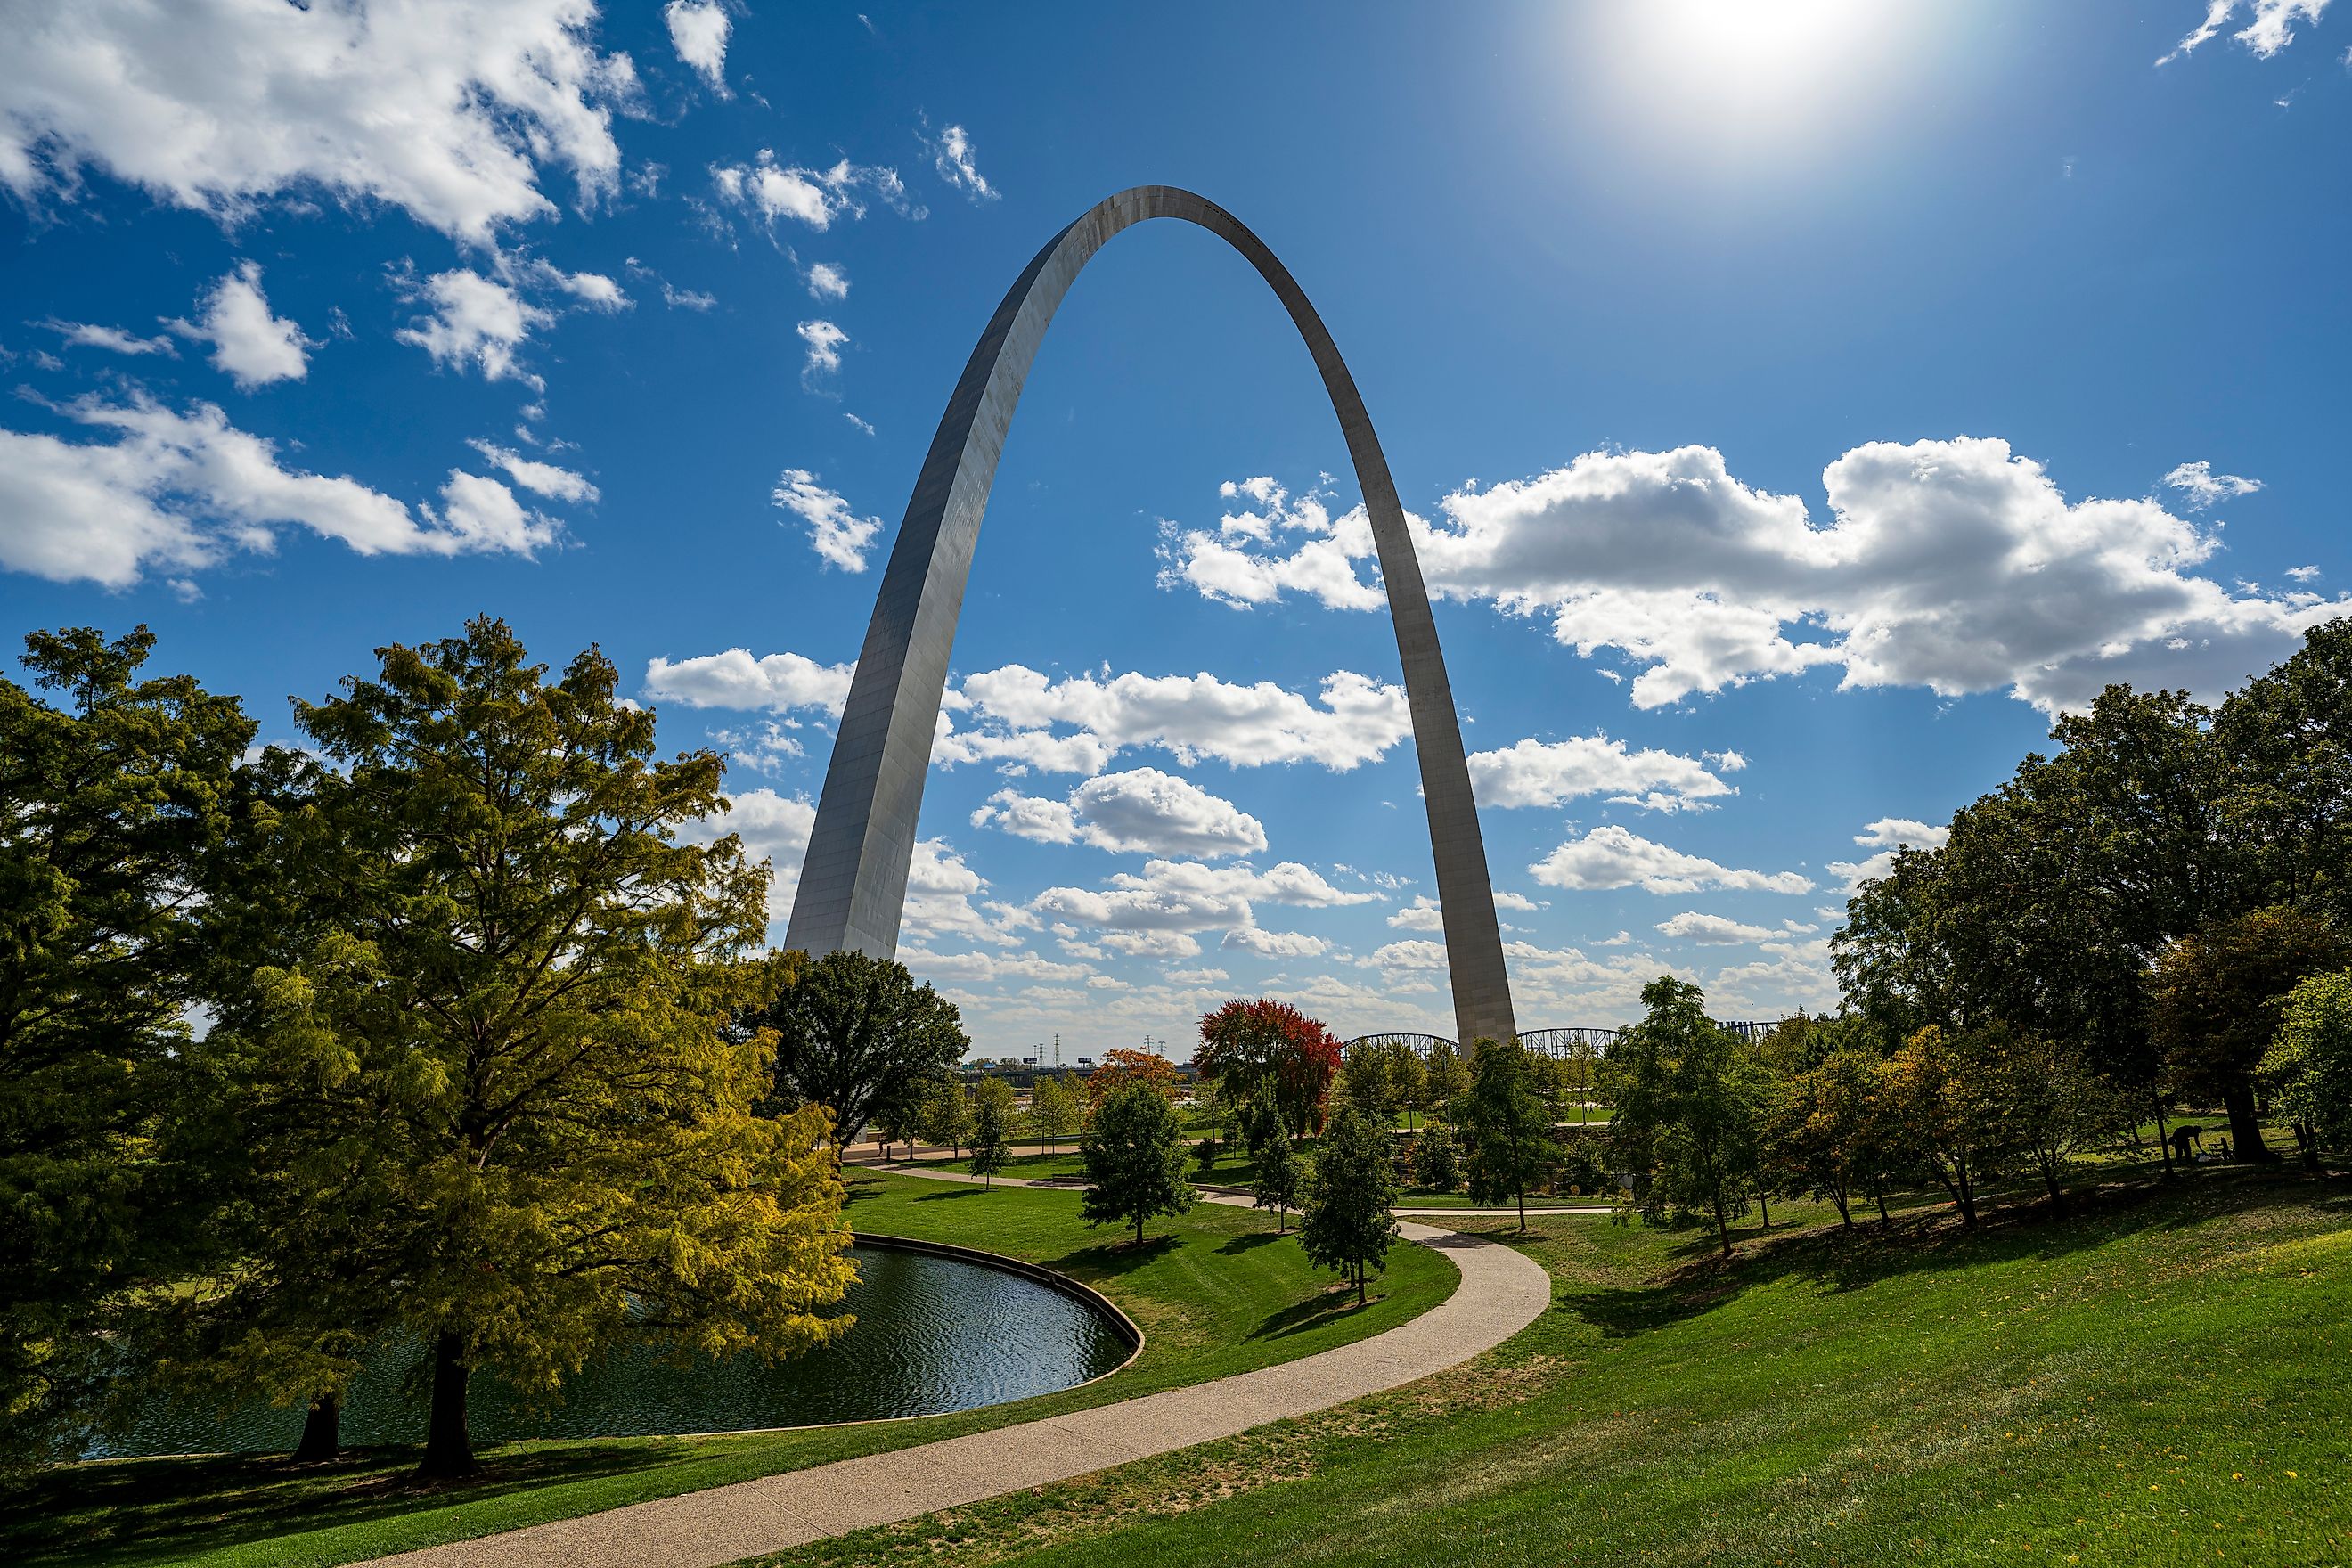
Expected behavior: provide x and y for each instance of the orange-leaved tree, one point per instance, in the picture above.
(1244, 1043)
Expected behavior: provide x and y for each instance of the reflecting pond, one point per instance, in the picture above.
(933, 1334)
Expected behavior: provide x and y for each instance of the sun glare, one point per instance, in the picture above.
(1746, 67)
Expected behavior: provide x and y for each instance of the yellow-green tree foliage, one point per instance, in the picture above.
(492, 1096)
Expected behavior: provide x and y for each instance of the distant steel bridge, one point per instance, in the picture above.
(1575, 1039)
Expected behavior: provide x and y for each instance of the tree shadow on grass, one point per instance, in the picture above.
(953, 1193)
(143, 1511)
(1335, 1304)
(1834, 1258)
(1111, 1258)
(1250, 1240)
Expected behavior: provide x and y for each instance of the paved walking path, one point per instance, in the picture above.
(1501, 1292)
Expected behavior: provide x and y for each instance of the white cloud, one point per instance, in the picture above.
(826, 281)
(1410, 953)
(1143, 811)
(823, 340)
(951, 155)
(1613, 857)
(475, 323)
(1894, 832)
(2304, 573)
(1712, 930)
(939, 892)
(1535, 772)
(839, 535)
(252, 346)
(1192, 717)
(446, 108)
(697, 31)
(1949, 564)
(178, 490)
(1274, 943)
(1425, 914)
(986, 967)
(113, 340)
(1197, 976)
(2202, 487)
(1236, 565)
(778, 682)
(686, 298)
(1154, 910)
(540, 479)
(862, 427)
(768, 191)
(2270, 27)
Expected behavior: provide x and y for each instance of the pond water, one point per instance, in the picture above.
(933, 1334)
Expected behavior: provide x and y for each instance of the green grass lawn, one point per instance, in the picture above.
(1215, 1293)
(1232, 1167)
(2165, 1378)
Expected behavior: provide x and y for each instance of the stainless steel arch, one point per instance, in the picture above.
(853, 885)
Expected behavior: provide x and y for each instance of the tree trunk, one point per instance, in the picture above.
(1722, 1223)
(1845, 1215)
(448, 1447)
(2163, 1140)
(1885, 1220)
(1523, 1208)
(2050, 1180)
(322, 1429)
(2245, 1126)
(1360, 1282)
(1138, 1231)
(1764, 1206)
(2306, 1139)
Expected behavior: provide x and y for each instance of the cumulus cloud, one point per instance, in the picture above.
(1239, 563)
(769, 192)
(778, 682)
(1021, 713)
(697, 31)
(1423, 913)
(1887, 836)
(1142, 811)
(686, 298)
(2201, 487)
(540, 479)
(250, 344)
(984, 968)
(1712, 930)
(474, 324)
(839, 536)
(1156, 910)
(1021, 719)
(951, 155)
(1535, 772)
(1274, 943)
(1613, 857)
(447, 109)
(823, 340)
(1952, 564)
(1894, 832)
(2270, 25)
(178, 490)
(826, 281)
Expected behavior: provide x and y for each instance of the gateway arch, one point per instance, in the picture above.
(853, 885)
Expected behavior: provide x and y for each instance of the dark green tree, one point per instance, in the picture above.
(1505, 1126)
(854, 1032)
(1690, 1107)
(1344, 1219)
(1133, 1156)
(991, 1128)
(1438, 1158)
(2218, 992)
(1278, 1172)
(113, 787)
(2309, 1066)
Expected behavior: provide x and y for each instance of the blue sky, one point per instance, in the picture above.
(1803, 403)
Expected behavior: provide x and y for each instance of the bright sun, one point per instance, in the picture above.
(1748, 66)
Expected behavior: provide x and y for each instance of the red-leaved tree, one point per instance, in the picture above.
(1244, 1043)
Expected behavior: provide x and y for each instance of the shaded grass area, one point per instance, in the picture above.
(2160, 1379)
(1232, 1167)
(1215, 1292)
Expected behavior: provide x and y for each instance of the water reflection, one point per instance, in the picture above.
(933, 1334)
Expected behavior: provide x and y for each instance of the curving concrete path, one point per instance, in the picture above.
(1501, 1292)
